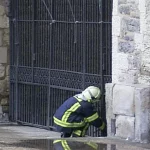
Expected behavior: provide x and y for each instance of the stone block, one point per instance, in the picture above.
(115, 8)
(138, 39)
(122, 61)
(3, 54)
(135, 14)
(130, 24)
(143, 26)
(123, 100)
(4, 87)
(109, 108)
(142, 113)
(2, 10)
(114, 44)
(134, 62)
(124, 9)
(126, 46)
(1, 112)
(2, 71)
(128, 76)
(122, 2)
(128, 37)
(4, 22)
(6, 37)
(109, 91)
(4, 102)
(116, 22)
(7, 70)
(1, 37)
(133, 1)
(125, 127)
(143, 79)
(142, 6)
(134, 25)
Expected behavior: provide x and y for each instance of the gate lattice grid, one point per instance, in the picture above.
(58, 48)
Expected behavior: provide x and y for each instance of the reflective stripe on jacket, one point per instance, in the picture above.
(75, 112)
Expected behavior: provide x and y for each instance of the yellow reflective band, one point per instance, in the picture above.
(93, 145)
(56, 141)
(102, 126)
(78, 99)
(69, 111)
(65, 145)
(85, 129)
(77, 132)
(93, 117)
(81, 99)
(67, 124)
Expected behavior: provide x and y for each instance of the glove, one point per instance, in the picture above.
(102, 127)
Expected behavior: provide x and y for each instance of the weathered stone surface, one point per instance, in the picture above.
(128, 76)
(129, 37)
(133, 1)
(7, 70)
(4, 102)
(2, 71)
(126, 47)
(123, 58)
(143, 79)
(6, 37)
(2, 10)
(142, 113)
(130, 24)
(4, 22)
(1, 112)
(4, 87)
(134, 25)
(1, 37)
(134, 62)
(3, 54)
(109, 108)
(109, 91)
(135, 14)
(138, 39)
(125, 127)
(116, 22)
(123, 100)
(122, 2)
(124, 9)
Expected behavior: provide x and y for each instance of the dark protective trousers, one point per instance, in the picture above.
(74, 132)
(73, 145)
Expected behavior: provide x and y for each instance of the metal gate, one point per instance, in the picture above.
(58, 48)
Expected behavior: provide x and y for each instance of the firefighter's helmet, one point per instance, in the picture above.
(92, 93)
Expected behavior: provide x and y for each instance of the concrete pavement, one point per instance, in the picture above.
(31, 138)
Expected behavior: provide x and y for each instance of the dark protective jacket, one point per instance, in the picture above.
(75, 113)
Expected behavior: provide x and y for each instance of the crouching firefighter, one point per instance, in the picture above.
(77, 113)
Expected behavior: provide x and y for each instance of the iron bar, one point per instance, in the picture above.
(60, 48)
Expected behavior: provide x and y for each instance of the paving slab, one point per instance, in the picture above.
(31, 138)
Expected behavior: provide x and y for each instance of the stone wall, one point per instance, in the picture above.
(125, 33)
(128, 111)
(4, 62)
(128, 96)
(130, 41)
